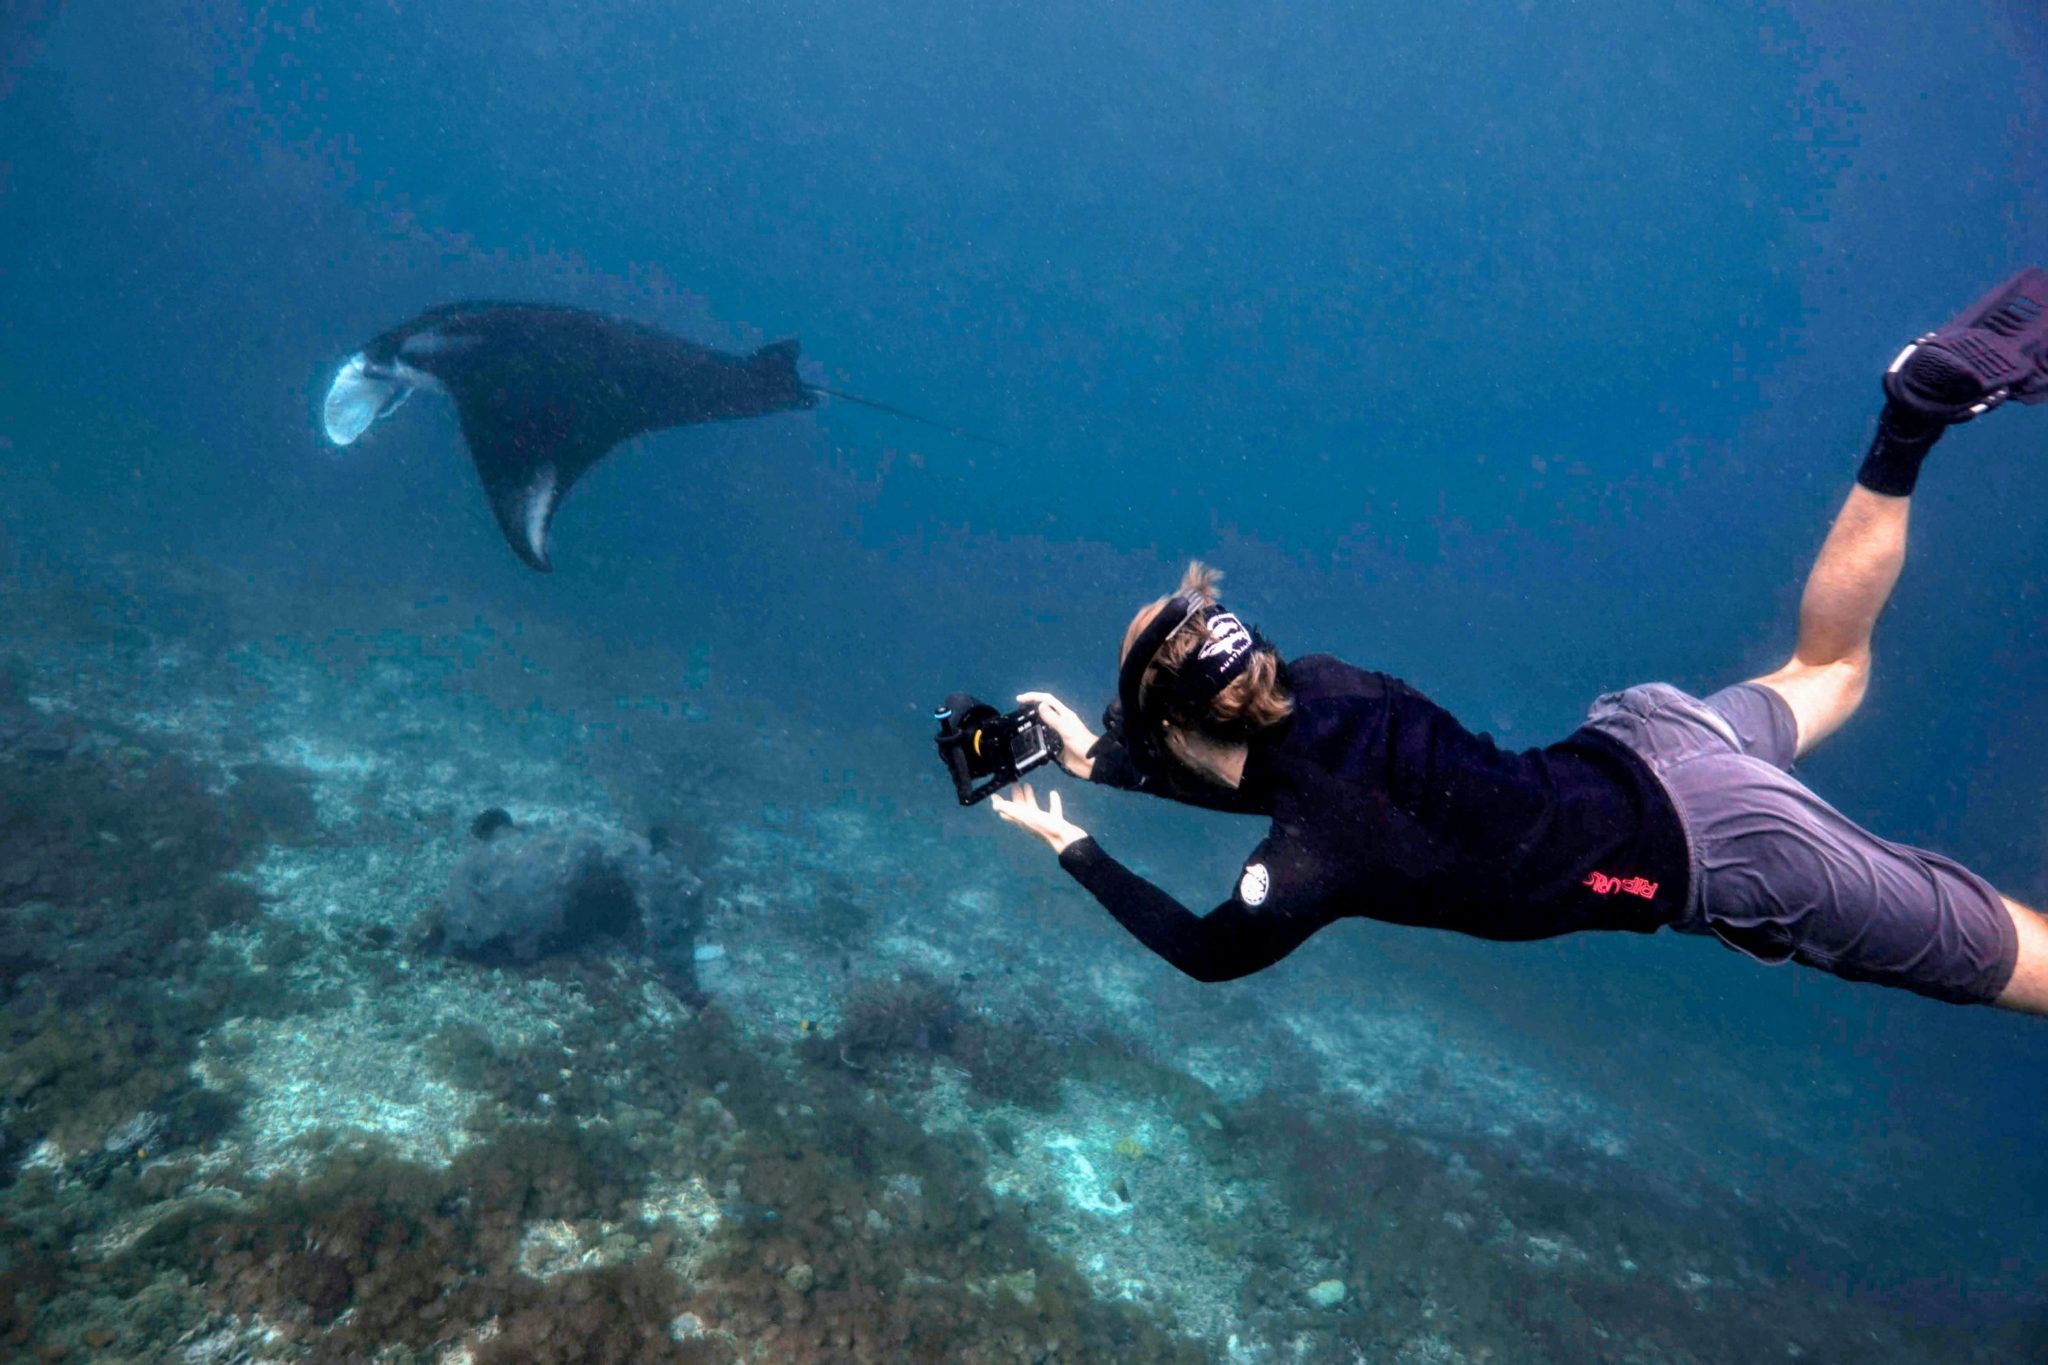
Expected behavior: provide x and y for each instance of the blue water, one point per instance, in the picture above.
(1522, 350)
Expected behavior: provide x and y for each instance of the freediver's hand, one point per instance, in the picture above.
(1076, 739)
(1050, 824)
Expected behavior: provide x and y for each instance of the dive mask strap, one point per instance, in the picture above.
(1141, 740)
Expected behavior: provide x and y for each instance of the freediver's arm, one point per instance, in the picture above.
(1109, 765)
(1231, 941)
(1101, 759)
(1235, 939)
(1104, 760)
(1050, 824)
(1078, 743)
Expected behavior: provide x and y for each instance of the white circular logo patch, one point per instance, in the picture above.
(1252, 887)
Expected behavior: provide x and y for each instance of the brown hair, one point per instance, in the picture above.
(1255, 699)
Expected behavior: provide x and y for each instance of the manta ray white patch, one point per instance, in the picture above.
(362, 392)
(540, 501)
(1254, 884)
(435, 343)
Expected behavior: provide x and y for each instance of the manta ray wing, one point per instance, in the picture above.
(544, 393)
(530, 446)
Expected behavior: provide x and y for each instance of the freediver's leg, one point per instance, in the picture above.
(1994, 350)
(1846, 592)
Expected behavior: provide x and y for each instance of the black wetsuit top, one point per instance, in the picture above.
(1383, 806)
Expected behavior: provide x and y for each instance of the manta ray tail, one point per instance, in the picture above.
(894, 411)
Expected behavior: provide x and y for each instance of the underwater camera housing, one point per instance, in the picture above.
(986, 750)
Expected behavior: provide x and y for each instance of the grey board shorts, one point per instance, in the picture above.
(1779, 874)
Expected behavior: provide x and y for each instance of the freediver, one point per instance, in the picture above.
(1664, 810)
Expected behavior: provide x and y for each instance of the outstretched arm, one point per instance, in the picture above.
(1231, 941)
(1235, 939)
(1104, 760)
(1859, 564)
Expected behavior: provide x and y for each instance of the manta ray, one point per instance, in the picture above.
(543, 392)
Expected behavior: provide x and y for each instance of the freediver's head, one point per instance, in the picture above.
(1192, 670)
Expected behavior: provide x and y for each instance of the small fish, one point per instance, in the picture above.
(741, 1211)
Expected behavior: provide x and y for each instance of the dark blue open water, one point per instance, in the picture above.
(1522, 350)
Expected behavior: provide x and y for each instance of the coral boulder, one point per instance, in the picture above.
(530, 891)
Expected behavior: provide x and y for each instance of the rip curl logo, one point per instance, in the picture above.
(1227, 636)
(1254, 884)
(1604, 885)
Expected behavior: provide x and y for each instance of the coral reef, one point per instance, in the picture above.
(614, 1315)
(94, 816)
(914, 1015)
(847, 1234)
(410, 1254)
(272, 804)
(114, 871)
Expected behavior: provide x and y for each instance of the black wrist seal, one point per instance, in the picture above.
(1892, 465)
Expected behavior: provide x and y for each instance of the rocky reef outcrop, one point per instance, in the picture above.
(523, 892)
